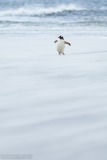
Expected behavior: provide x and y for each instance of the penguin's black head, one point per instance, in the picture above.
(61, 37)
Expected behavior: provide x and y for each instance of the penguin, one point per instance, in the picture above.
(61, 45)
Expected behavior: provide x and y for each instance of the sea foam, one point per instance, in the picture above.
(37, 11)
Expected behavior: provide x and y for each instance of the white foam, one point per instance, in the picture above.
(40, 11)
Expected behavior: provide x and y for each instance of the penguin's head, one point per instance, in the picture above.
(61, 37)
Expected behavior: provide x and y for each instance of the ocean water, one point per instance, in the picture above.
(45, 16)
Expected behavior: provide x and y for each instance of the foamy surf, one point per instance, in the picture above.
(37, 11)
(24, 16)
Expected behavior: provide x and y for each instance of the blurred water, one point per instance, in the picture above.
(53, 16)
(53, 107)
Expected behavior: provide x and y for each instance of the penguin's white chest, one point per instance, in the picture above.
(60, 46)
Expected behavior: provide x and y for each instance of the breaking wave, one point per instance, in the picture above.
(34, 11)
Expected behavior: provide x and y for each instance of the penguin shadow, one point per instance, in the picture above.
(92, 52)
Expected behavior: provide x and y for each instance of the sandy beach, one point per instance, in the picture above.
(53, 107)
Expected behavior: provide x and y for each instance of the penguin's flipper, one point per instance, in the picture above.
(67, 43)
(55, 41)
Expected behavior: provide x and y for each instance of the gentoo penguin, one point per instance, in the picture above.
(61, 44)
